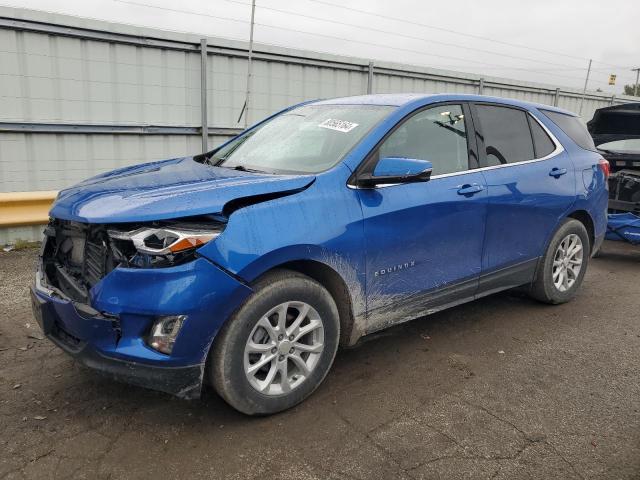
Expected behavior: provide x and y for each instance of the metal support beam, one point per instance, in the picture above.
(370, 78)
(183, 46)
(613, 99)
(556, 98)
(98, 35)
(203, 95)
(480, 86)
(28, 127)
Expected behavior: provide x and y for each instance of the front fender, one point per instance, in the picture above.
(322, 223)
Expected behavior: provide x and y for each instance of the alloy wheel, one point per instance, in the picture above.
(567, 262)
(283, 348)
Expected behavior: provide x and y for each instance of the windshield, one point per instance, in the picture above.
(308, 139)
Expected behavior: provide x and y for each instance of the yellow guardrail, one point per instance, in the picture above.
(25, 208)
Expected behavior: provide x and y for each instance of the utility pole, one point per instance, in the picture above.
(635, 87)
(203, 95)
(584, 90)
(250, 58)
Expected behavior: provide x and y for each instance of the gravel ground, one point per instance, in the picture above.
(500, 388)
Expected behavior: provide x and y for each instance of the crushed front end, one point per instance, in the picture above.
(137, 303)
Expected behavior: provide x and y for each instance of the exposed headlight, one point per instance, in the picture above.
(164, 333)
(165, 241)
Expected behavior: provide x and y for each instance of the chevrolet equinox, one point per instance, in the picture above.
(246, 267)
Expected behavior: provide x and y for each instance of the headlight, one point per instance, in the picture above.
(165, 241)
(160, 245)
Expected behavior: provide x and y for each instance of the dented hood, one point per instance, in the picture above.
(168, 189)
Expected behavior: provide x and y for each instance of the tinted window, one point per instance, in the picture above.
(437, 134)
(542, 143)
(506, 133)
(573, 127)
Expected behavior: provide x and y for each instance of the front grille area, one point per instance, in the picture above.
(76, 256)
(95, 256)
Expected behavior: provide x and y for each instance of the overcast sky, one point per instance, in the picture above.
(463, 35)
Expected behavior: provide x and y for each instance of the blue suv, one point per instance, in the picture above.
(247, 266)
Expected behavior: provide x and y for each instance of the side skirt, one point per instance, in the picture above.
(394, 311)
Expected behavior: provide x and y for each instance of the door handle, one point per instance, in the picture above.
(557, 172)
(469, 189)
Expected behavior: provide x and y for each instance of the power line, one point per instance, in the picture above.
(288, 12)
(277, 27)
(487, 66)
(455, 32)
(388, 32)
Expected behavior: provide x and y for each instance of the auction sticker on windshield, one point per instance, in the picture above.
(339, 125)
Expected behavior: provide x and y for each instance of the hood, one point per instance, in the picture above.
(610, 124)
(168, 189)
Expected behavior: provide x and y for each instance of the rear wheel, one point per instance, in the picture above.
(278, 347)
(564, 265)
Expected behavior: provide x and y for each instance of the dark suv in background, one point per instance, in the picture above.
(616, 134)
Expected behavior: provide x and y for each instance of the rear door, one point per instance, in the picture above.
(424, 240)
(531, 185)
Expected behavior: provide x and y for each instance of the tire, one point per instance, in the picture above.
(545, 287)
(234, 362)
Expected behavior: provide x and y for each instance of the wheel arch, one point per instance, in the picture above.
(350, 327)
(585, 218)
(580, 215)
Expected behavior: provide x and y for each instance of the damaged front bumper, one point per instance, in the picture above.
(110, 334)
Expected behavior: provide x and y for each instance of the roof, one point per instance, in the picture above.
(401, 99)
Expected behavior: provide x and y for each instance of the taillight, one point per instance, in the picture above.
(605, 167)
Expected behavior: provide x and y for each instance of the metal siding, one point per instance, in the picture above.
(388, 83)
(47, 78)
(277, 85)
(47, 161)
(123, 75)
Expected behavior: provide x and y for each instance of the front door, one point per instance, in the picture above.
(424, 240)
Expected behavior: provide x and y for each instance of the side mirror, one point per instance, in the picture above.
(392, 170)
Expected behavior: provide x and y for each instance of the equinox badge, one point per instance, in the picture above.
(394, 268)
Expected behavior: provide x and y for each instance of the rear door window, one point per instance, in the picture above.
(573, 127)
(506, 133)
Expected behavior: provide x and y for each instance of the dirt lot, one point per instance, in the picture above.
(502, 388)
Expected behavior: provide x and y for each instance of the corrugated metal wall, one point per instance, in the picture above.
(79, 97)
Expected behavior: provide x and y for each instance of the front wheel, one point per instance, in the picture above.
(564, 265)
(276, 350)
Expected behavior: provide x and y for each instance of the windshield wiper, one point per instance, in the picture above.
(242, 168)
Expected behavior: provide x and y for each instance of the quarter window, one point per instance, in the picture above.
(541, 141)
(506, 133)
(437, 134)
